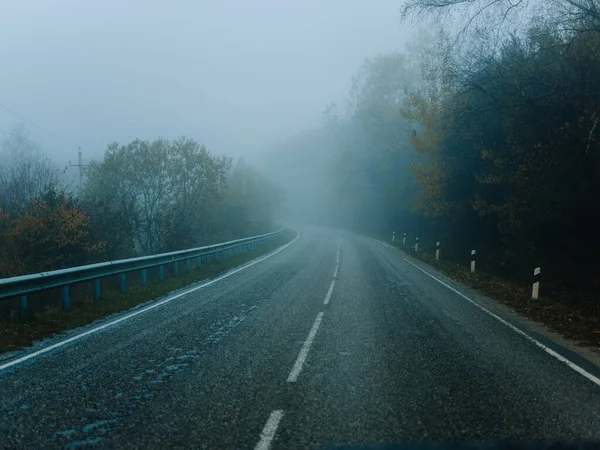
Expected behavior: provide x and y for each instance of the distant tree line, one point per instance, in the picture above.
(145, 197)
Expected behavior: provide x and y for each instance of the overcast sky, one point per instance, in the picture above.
(236, 75)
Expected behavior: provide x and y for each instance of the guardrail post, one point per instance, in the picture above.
(176, 268)
(22, 305)
(66, 298)
(198, 261)
(472, 261)
(437, 250)
(144, 277)
(123, 284)
(161, 272)
(188, 265)
(97, 288)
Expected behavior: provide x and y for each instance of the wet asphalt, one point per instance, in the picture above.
(396, 358)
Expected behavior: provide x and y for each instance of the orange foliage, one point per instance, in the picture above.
(49, 234)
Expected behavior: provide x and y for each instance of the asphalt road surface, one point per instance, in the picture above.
(336, 339)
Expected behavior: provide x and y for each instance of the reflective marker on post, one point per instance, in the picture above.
(535, 291)
(404, 239)
(393, 236)
(437, 250)
(416, 244)
(472, 261)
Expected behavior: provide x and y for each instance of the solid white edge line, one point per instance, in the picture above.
(335, 272)
(329, 292)
(382, 243)
(293, 376)
(137, 313)
(548, 350)
(268, 432)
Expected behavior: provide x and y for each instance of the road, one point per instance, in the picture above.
(335, 339)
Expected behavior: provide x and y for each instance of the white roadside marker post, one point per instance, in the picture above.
(535, 290)
(416, 244)
(393, 236)
(472, 261)
(437, 251)
(404, 239)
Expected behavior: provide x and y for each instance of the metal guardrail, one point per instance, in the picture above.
(27, 284)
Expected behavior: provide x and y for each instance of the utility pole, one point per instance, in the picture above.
(80, 166)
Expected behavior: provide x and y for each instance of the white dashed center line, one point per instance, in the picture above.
(293, 376)
(329, 292)
(268, 432)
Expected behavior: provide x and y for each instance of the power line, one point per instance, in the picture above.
(35, 125)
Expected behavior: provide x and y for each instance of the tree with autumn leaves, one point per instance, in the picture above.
(51, 233)
(42, 227)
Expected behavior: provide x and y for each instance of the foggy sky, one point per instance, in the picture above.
(235, 75)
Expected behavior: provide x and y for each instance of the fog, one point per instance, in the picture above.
(480, 132)
(237, 76)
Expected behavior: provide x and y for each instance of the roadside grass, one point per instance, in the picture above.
(573, 314)
(52, 319)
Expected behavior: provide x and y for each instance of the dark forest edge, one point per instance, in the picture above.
(52, 319)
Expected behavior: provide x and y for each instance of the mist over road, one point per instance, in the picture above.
(335, 339)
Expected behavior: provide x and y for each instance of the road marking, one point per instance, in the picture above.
(293, 376)
(137, 313)
(337, 261)
(328, 296)
(382, 243)
(268, 432)
(548, 350)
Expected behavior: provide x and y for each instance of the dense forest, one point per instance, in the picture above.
(486, 138)
(142, 198)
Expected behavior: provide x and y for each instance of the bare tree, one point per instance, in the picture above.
(25, 172)
(568, 15)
